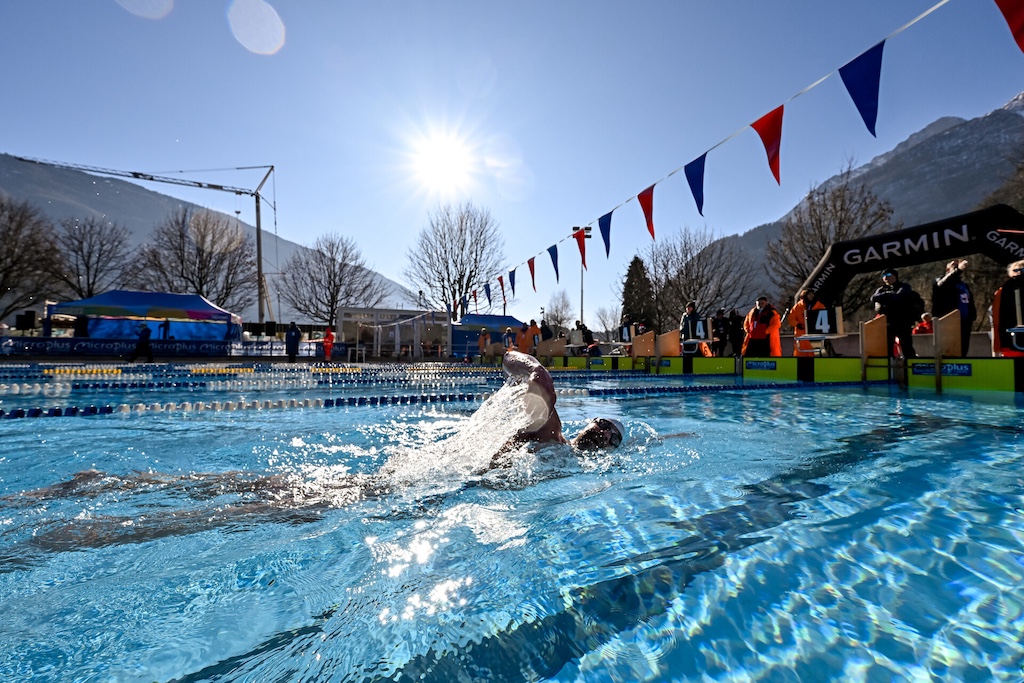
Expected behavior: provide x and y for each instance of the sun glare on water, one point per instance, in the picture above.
(443, 164)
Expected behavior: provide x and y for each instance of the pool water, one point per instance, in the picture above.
(853, 534)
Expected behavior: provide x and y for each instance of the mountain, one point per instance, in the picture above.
(64, 193)
(945, 169)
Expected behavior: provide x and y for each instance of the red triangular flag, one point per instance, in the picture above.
(581, 239)
(532, 279)
(501, 281)
(646, 199)
(1013, 12)
(769, 127)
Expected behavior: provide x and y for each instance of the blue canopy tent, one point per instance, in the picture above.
(466, 332)
(117, 315)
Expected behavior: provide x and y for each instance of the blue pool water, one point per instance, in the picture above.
(851, 534)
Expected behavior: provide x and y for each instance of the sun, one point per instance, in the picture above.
(443, 163)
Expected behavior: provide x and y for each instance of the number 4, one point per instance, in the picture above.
(821, 322)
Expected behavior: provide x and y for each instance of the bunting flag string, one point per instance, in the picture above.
(1013, 12)
(581, 240)
(553, 251)
(861, 77)
(769, 127)
(604, 223)
(695, 179)
(646, 199)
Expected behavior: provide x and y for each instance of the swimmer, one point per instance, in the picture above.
(254, 498)
(545, 425)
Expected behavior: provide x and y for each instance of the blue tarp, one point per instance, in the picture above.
(118, 314)
(493, 323)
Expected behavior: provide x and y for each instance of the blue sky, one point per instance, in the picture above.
(548, 114)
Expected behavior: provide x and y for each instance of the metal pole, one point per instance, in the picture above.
(260, 294)
(260, 289)
(586, 235)
(581, 293)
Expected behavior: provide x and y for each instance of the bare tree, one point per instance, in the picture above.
(838, 211)
(26, 251)
(460, 248)
(608, 318)
(694, 265)
(200, 253)
(92, 256)
(559, 311)
(328, 275)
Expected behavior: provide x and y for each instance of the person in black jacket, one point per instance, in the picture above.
(900, 305)
(291, 341)
(719, 332)
(143, 346)
(951, 293)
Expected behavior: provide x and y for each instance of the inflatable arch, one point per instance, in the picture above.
(996, 232)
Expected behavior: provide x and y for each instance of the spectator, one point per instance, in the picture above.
(328, 344)
(925, 326)
(950, 293)
(524, 341)
(291, 342)
(762, 326)
(797, 320)
(534, 334)
(688, 323)
(142, 346)
(1008, 312)
(902, 307)
(545, 331)
(719, 332)
(483, 344)
(508, 340)
(736, 333)
(588, 336)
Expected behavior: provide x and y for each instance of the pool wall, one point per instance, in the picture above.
(967, 374)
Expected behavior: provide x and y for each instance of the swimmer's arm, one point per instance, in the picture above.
(524, 368)
(677, 435)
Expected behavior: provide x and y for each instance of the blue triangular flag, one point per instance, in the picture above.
(553, 250)
(695, 177)
(512, 280)
(604, 223)
(487, 291)
(862, 77)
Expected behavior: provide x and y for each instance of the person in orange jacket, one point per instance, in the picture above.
(806, 302)
(328, 344)
(533, 335)
(524, 342)
(762, 326)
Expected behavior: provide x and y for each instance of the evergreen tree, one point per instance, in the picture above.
(637, 295)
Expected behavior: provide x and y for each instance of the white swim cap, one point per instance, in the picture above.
(614, 423)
